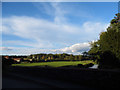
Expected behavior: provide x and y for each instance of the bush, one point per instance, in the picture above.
(80, 66)
(6, 63)
(88, 65)
(108, 60)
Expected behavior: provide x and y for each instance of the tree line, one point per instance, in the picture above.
(58, 57)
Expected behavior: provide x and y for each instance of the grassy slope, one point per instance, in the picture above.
(55, 64)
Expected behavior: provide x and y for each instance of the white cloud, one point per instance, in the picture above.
(5, 48)
(93, 27)
(27, 43)
(38, 30)
(43, 33)
(59, 13)
(74, 49)
(22, 51)
(54, 9)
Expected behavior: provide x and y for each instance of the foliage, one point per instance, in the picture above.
(108, 60)
(108, 44)
(6, 62)
(52, 57)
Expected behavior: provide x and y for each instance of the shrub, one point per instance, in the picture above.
(108, 60)
(88, 65)
(80, 66)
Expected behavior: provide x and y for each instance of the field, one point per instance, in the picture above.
(55, 64)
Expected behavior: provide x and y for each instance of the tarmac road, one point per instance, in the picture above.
(18, 80)
(14, 83)
(48, 77)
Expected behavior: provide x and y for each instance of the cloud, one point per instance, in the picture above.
(74, 49)
(90, 27)
(59, 14)
(22, 51)
(53, 9)
(45, 34)
(27, 43)
(42, 33)
(5, 48)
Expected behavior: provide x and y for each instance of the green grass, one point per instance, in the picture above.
(55, 64)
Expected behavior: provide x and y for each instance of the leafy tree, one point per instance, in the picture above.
(22, 59)
(49, 57)
(85, 54)
(109, 41)
(108, 60)
(71, 57)
(76, 57)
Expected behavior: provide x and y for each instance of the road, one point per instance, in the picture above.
(18, 80)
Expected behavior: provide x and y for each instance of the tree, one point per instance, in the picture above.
(76, 57)
(22, 59)
(7, 62)
(108, 60)
(94, 52)
(109, 44)
(71, 57)
(85, 54)
(43, 57)
(109, 41)
(79, 57)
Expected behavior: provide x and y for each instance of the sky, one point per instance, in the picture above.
(53, 27)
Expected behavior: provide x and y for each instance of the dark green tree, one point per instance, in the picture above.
(109, 41)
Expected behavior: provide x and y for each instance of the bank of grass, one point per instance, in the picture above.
(55, 64)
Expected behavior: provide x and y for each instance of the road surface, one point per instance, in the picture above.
(18, 80)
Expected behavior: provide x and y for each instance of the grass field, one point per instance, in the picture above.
(55, 64)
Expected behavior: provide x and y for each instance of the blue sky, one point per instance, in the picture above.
(49, 27)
